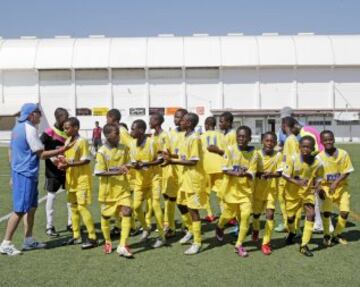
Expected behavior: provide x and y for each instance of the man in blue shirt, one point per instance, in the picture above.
(25, 151)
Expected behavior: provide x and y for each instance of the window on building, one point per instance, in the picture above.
(347, 123)
(320, 123)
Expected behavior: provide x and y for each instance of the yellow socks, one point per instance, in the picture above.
(269, 227)
(244, 227)
(208, 208)
(75, 218)
(186, 219)
(326, 224)
(171, 205)
(105, 228)
(196, 226)
(125, 230)
(139, 214)
(340, 226)
(88, 221)
(158, 216)
(308, 230)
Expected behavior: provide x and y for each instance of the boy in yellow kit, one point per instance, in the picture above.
(240, 168)
(114, 188)
(78, 183)
(269, 167)
(212, 162)
(335, 187)
(144, 156)
(303, 173)
(192, 195)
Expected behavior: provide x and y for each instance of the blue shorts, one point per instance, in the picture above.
(25, 192)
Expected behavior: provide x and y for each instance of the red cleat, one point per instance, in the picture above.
(255, 235)
(107, 248)
(233, 222)
(266, 249)
(210, 218)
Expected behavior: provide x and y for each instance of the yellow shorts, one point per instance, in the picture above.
(214, 182)
(260, 204)
(342, 201)
(81, 197)
(142, 193)
(294, 203)
(231, 210)
(109, 209)
(170, 186)
(192, 200)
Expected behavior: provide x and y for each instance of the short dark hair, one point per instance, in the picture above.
(124, 125)
(108, 128)
(269, 133)
(59, 112)
(140, 123)
(74, 122)
(114, 113)
(289, 121)
(308, 138)
(324, 132)
(194, 119)
(159, 116)
(246, 129)
(211, 121)
(97, 122)
(181, 110)
(228, 116)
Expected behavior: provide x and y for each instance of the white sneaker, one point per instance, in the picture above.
(145, 235)
(9, 249)
(318, 228)
(194, 249)
(159, 242)
(33, 245)
(186, 239)
(124, 251)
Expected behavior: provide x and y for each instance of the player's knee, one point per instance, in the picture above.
(126, 211)
(344, 214)
(326, 214)
(291, 219)
(105, 217)
(270, 214)
(173, 199)
(166, 197)
(256, 215)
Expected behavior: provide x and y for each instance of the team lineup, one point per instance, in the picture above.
(143, 176)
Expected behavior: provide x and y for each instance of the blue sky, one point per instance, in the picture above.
(78, 18)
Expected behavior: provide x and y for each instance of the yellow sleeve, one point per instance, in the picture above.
(127, 158)
(228, 162)
(195, 149)
(125, 137)
(100, 164)
(346, 165)
(84, 151)
(279, 162)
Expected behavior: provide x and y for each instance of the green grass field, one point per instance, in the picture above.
(217, 265)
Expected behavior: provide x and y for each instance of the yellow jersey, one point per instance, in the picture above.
(240, 189)
(78, 177)
(125, 137)
(230, 137)
(193, 176)
(212, 162)
(267, 163)
(334, 166)
(146, 152)
(291, 147)
(108, 158)
(295, 167)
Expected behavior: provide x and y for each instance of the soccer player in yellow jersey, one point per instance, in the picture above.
(192, 194)
(162, 140)
(114, 189)
(144, 156)
(335, 188)
(213, 162)
(303, 172)
(78, 183)
(240, 168)
(113, 116)
(269, 167)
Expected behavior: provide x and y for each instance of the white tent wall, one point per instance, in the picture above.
(347, 87)
(240, 88)
(20, 86)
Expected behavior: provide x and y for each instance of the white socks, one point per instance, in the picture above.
(50, 202)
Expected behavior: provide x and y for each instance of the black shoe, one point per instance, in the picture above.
(52, 232)
(69, 228)
(89, 243)
(306, 251)
(169, 233)
(134, 232)
(327, 242)
(289, 239)
(115, 231)
(73, 241)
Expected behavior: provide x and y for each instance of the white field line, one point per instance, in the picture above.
(6, 217)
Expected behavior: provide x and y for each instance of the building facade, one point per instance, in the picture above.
(253, 76)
